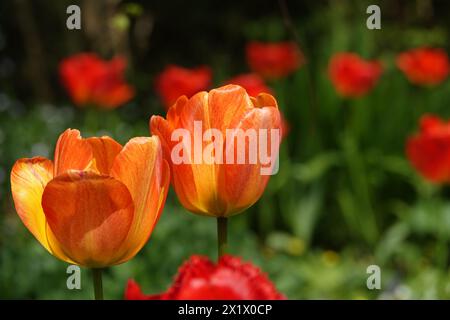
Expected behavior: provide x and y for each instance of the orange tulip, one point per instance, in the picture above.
(97, 203)
(219, 188)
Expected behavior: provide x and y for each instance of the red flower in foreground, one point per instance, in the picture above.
(200, 279)
(251, 82)
(351, 75)
(176, 81)
(424, 66)
(429, 150)
(91, 80)
(274, 60)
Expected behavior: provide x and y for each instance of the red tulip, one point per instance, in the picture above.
(91, 80)
(351, 75)
(251, 82)
(429, 150)
(424, 66)
(200, 279)
(176, 81)
(274, 60)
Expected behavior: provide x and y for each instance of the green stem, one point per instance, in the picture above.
(91, 120)
(221, 236)
(98, 284)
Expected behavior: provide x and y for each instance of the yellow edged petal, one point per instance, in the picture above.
(90, 216)
(28, 180)
(141, 167)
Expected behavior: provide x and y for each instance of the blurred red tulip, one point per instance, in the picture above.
(91, 80)
(351, 75)
(176, 81)
(274, 60)
(251, 82)
(200, 279)
(424, 66)
(429, 150)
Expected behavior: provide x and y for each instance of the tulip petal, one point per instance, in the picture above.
(196, 182)
(90, 216)
(28, 180)
(264, 100)
(226, 105)
(104, 150)
(174, 113)
(185, 184)
(241, 185)
(134, 292)
(183, 181)
(141, 167)
(161, 127)
(72, 152)
(219, 109)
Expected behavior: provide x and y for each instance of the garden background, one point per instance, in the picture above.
(345, 197)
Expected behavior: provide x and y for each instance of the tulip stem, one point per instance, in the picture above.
(98, 284)
(221, 236)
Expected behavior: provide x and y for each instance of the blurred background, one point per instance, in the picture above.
(345, 197)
